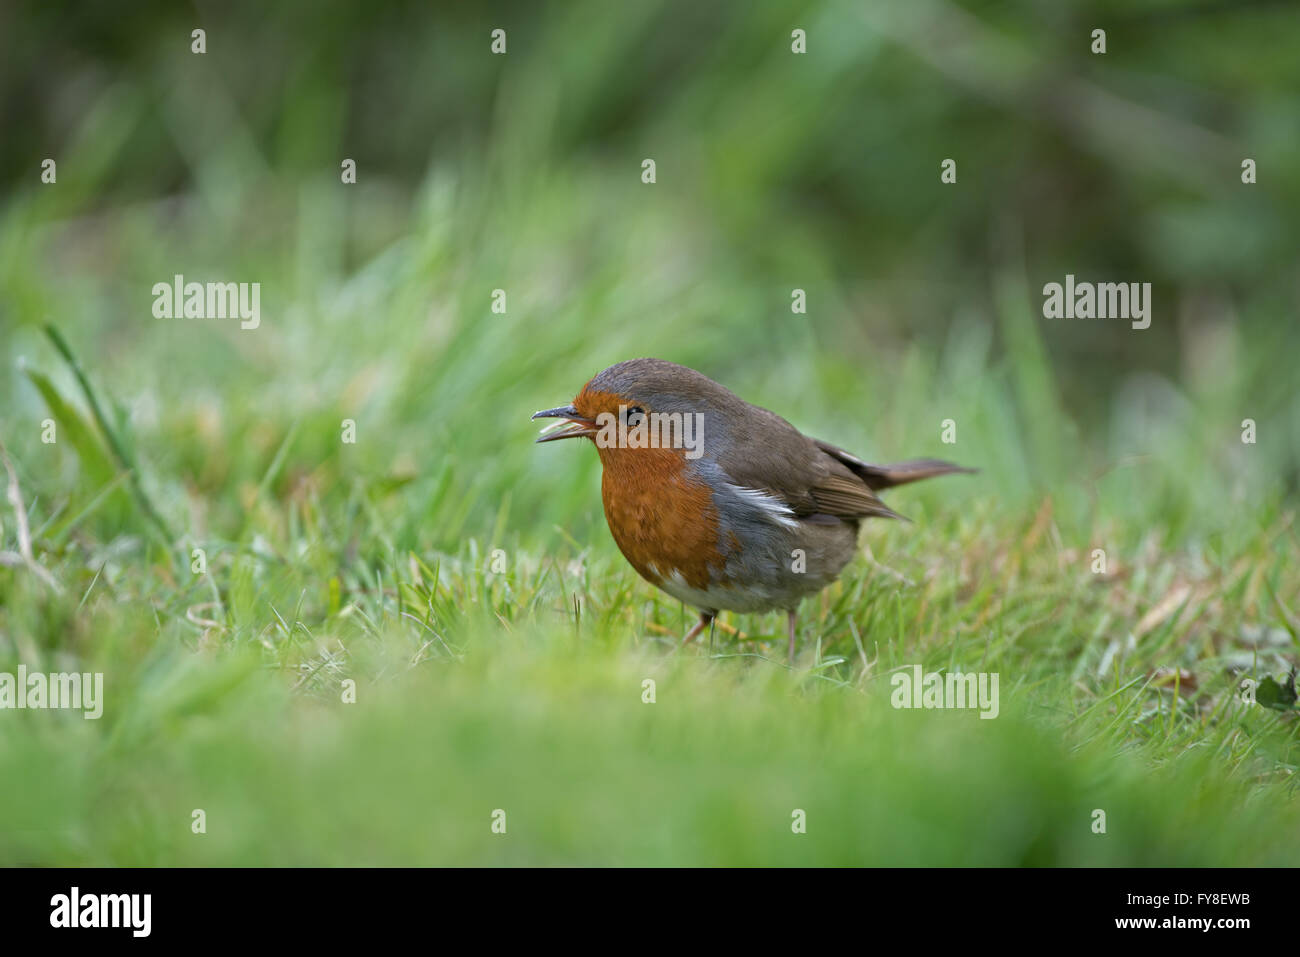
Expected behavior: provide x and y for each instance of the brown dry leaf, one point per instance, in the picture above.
(1163, 609)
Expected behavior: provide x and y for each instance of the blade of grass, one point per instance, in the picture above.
(114, 441)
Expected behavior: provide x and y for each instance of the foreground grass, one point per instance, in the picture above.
(553, 730)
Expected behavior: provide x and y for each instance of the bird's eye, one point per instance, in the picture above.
(634, 416)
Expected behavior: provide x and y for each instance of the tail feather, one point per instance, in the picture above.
(880, 477)
(913, 470)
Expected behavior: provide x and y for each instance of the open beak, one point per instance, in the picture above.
(577, 425)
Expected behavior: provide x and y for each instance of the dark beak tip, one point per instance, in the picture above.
(559, 412)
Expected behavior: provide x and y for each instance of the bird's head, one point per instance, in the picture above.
(642, 404)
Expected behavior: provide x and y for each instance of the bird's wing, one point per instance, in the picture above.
(848, 497)
(780, 461)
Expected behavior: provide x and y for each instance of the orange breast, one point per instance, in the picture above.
(661, 519)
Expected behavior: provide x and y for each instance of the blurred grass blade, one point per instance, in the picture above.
(114, 441)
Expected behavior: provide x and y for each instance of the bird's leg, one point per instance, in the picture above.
(790, 620)
(706, 618)
(713, 623)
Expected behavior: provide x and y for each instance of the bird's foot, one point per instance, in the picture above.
(705, 620)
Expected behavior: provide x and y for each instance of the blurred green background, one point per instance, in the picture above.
(522, 172)
(775, 171)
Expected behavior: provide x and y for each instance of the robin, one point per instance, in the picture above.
(722, 504)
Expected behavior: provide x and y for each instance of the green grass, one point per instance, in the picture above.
(521, 689)
(552, 730)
